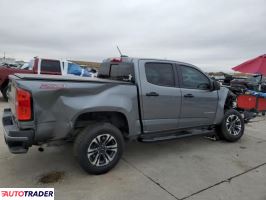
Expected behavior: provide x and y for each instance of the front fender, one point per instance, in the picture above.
(222, 95)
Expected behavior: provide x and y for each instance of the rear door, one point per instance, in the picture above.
(160, 95)
(199, 103)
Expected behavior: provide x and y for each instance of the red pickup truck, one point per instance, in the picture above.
(35, 66)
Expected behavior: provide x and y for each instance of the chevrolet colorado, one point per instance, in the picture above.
(145, 99)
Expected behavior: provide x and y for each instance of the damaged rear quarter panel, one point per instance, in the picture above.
(57, 107)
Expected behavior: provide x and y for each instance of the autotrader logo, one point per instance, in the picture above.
(26, 193)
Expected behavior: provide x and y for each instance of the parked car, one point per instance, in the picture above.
(227, 79)
(35, 66)
(41, 66)
(75, 69)
(145, 99)
(13, 65)
(251, 83)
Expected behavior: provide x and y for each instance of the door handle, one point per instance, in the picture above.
(152, 94)
(188, 96)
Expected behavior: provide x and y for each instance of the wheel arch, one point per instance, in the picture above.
(225, 102)
(116, 118)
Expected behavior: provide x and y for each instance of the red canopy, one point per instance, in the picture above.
(253, 66)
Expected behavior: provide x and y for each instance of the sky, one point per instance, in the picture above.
(214, 35)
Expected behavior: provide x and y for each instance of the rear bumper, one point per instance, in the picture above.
(18, 141)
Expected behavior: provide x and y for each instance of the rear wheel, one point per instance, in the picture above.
(98, 148)
(232, 127)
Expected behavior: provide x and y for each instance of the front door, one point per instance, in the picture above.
(160, 95)
(199, 103)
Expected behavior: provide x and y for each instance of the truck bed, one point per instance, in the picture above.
(70, 78)
(59, 102)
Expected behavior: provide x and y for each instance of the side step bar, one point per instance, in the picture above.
(157, 137)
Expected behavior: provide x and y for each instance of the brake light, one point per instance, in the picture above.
(23, 105)
(116, 60)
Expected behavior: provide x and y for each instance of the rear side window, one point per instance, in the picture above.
(160, 74)
(50, 66)
(194, 79)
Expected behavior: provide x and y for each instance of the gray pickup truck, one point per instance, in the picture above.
(144, 99)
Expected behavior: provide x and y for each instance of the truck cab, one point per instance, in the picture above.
(173, 95)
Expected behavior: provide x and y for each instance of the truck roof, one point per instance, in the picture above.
(132, 59)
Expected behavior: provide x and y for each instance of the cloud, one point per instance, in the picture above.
(212, 34)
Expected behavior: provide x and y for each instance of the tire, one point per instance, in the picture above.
(232, 127)
(4, 93)
(99, 147)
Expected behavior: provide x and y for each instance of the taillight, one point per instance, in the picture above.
(23, 105)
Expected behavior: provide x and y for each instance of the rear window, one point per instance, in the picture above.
(50, 66)
(117, 71)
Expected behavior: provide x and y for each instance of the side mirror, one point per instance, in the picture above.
(215, 85)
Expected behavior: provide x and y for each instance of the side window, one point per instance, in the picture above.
(160, 74)
(194, 79)
(50, 67)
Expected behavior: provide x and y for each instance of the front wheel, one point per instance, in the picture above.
(99, 147)
(232, 127)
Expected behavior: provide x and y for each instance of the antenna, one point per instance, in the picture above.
(119, 51)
